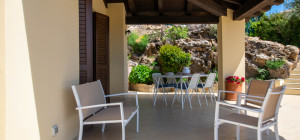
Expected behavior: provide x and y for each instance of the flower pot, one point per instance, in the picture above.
(233, 87)
(186, 71)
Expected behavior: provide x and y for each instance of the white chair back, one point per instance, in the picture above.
(155, 77)
(171, 80)
(89, 94)
(271, 103)
(210, 80)
(194, 81)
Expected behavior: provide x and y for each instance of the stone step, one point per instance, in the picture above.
(292, 91)
(295, 72)
(291, 80)
(292, 85)
(295, 76)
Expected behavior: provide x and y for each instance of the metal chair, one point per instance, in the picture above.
(159, 83)
(267, 114)
(191, 86)
(209, 83)
(93, 109)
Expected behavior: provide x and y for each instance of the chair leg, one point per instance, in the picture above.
(80, 131)
(276, 131)
(268, 131)
(164, 98)
(258, 134)
(103, 127)
(213, 93)
(174, 97)
(137, 121)
(204, 96)
(123, 131)
(237, 132)
(210, 95)
(216, 132)
(155, 97)
(198, 97)
(187, 92)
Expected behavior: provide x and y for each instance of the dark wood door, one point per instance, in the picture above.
(101, 50)
(85, 41)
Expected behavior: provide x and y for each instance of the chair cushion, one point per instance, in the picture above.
(112, 113)
(167, 85)
(240, 118)
(200, 85)
(184, 86)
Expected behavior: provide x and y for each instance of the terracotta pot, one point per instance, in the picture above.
(233, 87)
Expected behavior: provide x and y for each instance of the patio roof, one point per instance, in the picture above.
(190, 11)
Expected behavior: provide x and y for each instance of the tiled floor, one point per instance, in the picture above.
(173, 123)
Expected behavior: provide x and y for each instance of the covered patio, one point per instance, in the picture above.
(47, 46)
(163, 123)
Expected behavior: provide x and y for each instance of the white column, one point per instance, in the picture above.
(117, 48)
(231, 48)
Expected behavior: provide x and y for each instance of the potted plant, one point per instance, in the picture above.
(233, 83)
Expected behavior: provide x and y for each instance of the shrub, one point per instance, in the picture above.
(173, 59)
(140, 74)
(138, 43)
(274, 64)
(175, 33)
(155, 36)
(263, 74)
(212, 30)
(280, 27)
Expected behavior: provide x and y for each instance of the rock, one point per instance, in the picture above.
(151, 49)
(134, 57)
(283, 72)
(261, 60)
(251, 70)
(294, 52)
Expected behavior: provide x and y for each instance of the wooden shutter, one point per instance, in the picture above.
(85, 41)
(101, 50)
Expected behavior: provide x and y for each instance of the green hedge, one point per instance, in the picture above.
(173, 59)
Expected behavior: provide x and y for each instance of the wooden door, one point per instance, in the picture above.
(85, 41)
(101, 50)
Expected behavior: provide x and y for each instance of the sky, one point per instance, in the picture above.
(276, 9)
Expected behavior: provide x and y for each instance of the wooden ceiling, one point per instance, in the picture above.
(190, 11)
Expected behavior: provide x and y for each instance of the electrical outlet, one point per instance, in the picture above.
(54, 130)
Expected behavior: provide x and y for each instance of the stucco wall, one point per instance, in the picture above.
(2, 70)
(118, 48)
(98, 6)
(42, 62)
(231, 48)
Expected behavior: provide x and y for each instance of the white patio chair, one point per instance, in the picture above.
(267, 114)
(93, 109)
(159, 83)
(209, 83)
(191, 86)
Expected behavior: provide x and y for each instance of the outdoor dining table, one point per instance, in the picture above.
(180, 77)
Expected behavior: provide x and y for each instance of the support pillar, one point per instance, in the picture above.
(117, 48)
(231, 48)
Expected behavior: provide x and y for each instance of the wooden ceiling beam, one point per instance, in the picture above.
(249, 8)
(210, 6)
(131, 7)
(160, 7)
(172, 20)
(237, 2)
(189, 8)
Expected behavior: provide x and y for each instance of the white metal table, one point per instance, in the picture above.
(176, 76)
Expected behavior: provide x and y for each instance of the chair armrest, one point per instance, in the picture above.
(253, 100)
(218, 103)
(224, 91)
(122, 94)
(100, 105)
(252, 96)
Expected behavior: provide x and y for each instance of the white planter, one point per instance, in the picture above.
(186, 70)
